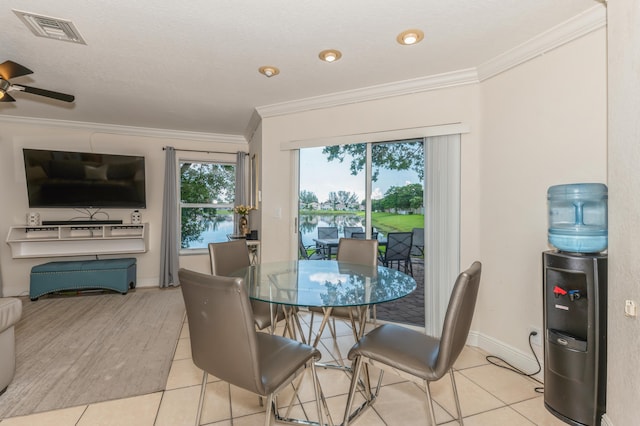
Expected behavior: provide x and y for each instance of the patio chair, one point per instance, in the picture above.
(414, 355)
(398, 251)
(417, 248)
(308, 252)
(363, 235)
(349, 230)
(225, 344)
(324, 233)
(229, 256)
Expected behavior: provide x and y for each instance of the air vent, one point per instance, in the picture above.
(48, 27)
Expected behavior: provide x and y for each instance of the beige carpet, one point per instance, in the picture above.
(76, 350)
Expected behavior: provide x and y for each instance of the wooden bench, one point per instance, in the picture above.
(109, 274)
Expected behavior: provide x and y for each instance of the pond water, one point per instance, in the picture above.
(216, 233)
(309, 224)
(308, 228)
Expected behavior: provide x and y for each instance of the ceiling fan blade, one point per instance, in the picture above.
(48, 93)
(7, 98)
(9, 69)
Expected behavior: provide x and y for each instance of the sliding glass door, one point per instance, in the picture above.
(373, 187)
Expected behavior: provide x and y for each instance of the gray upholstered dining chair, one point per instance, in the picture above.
(415, 355)
(359, 252)
(229, 256)
(225, 343)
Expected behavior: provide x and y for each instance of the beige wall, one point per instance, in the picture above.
(539, 124)
(623, 390)
(67, 136)
(544, 123)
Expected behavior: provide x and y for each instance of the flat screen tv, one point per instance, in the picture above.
(84, 179)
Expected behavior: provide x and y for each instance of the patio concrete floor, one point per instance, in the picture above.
(409, 309)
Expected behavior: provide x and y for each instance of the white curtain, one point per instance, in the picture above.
(442, 226)
(169, 262)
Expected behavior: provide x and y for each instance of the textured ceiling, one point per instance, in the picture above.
(192, 66)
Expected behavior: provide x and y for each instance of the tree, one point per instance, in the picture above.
(408, 155)
(348, 199)
(203, 185)
(307, 199)
(403, 197)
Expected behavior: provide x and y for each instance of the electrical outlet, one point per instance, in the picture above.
(537, 339)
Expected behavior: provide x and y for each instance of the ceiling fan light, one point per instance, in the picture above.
(4, 86)
(330, 55)
(269, 71)
(409, 37)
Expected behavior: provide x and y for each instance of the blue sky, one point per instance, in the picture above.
(321, 176)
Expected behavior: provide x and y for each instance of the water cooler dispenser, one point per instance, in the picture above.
(575, 304)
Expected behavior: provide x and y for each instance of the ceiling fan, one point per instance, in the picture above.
(10, 69)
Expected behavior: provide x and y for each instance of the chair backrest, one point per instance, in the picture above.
(363, 235)
(457, 320)
(302, 250)
(228, 257)
(222, 334)
(325, 232)
(418, 241)
(398, 246)
(349, 230)
(361, 252)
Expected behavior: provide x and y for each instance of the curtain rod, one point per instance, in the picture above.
(164, 148)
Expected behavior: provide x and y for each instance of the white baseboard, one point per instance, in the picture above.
(606, 421)
(522, 360)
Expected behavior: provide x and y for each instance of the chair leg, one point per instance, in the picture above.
(432, 415)
(267, 418)
(455, 396)
(352, 389)
(201, 402)
(317, 392)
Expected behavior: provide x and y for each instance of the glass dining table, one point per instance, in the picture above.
(327, 284)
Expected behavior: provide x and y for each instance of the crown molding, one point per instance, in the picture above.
(572, 29)
(422, 84)
(126, 130)
(575, 27)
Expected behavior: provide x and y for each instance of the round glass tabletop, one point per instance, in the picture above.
(324, 283)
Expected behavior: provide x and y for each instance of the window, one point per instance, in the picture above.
(207, 193)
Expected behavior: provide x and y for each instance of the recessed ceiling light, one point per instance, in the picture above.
(330, 55)
(269, 71)
(410, 37)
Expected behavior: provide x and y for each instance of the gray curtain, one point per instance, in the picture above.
(169, 264)
(242, 194)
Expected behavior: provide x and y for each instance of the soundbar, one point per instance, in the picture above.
(82, 222)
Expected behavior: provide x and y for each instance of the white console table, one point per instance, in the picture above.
(77, 240)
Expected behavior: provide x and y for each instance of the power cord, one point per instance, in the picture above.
(492, 359)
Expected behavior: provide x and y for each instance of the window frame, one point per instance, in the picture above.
(204, 158)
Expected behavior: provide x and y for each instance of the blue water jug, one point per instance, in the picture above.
(578, 217)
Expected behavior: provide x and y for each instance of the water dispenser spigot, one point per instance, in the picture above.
(574, 295)
(559, 291)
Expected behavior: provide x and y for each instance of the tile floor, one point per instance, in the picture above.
(489, 396)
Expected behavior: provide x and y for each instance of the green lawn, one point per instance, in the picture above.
(384, 222)
(390, 222)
